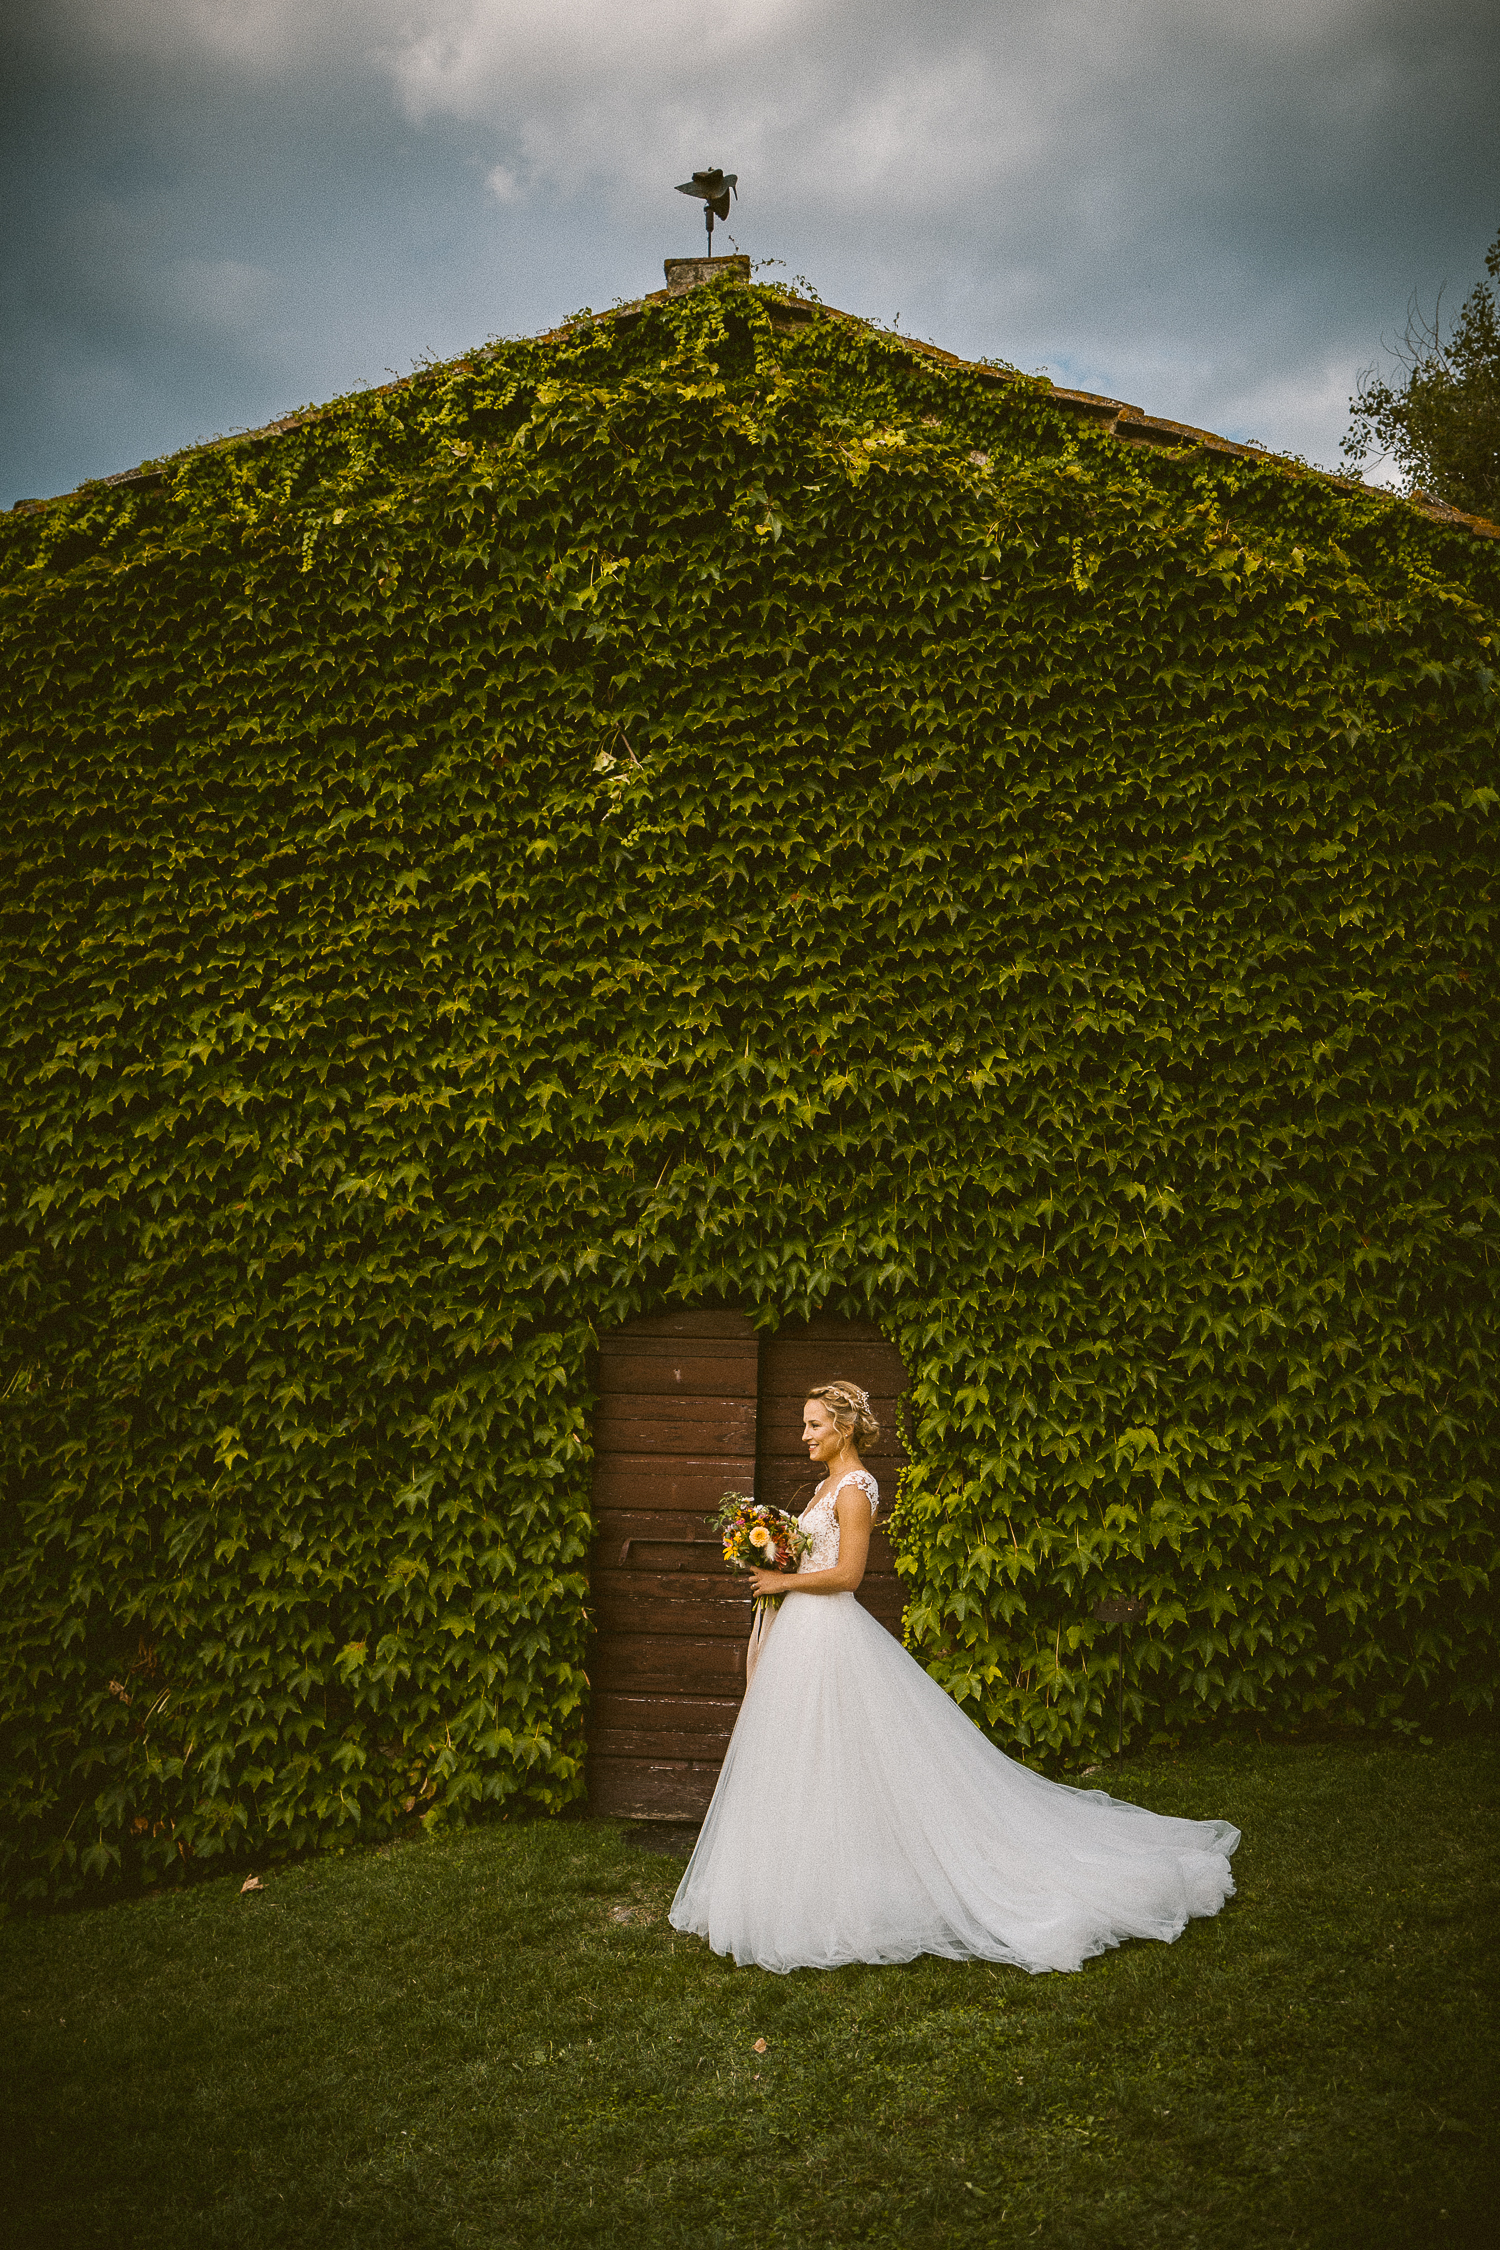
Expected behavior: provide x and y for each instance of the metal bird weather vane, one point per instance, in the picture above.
(713, 190)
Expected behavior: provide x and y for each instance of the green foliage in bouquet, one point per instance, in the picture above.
(721, 806)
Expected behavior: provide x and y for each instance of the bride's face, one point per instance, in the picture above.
(820, 1432)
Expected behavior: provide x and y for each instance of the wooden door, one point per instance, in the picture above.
(688, 1409)
(674, 1428)
(791, 1362)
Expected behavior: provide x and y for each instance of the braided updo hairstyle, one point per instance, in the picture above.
(850, 1408)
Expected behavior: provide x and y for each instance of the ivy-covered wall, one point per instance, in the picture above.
(708, 808)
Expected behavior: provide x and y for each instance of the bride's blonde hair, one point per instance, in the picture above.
(851, 1410)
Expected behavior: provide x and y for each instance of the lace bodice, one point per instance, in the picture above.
(820, 1517)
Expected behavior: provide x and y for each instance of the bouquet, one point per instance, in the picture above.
(757, 1536)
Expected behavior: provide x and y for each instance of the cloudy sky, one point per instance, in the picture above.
(221, 209)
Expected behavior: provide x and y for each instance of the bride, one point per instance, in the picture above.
(860, 1816)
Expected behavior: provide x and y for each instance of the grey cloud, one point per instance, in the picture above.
(1216, 213)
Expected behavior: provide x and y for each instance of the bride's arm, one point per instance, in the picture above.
(853, 1510)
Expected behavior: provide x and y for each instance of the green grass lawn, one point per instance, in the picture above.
(498, 2040)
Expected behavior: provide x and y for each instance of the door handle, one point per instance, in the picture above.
(645, 1539)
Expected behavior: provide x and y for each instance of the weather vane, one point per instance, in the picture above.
(713, 190)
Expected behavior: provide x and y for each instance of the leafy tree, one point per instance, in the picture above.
(1438, 413)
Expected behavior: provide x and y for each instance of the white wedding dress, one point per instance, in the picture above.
(860, 1816)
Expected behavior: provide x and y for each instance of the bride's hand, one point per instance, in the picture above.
(770, 1581)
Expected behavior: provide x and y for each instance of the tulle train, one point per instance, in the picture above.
(860, 1816)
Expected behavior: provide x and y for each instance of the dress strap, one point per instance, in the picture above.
(866, 1483)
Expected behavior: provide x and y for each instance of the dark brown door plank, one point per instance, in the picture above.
(651, 1789)
(697, 1543)
(638, 1663)
(647, 1423)
(682, 1482)
(634, 1378)
(672, 1605)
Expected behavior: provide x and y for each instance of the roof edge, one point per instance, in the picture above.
(1131, 424)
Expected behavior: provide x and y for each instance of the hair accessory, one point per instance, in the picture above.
(850, 1407)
